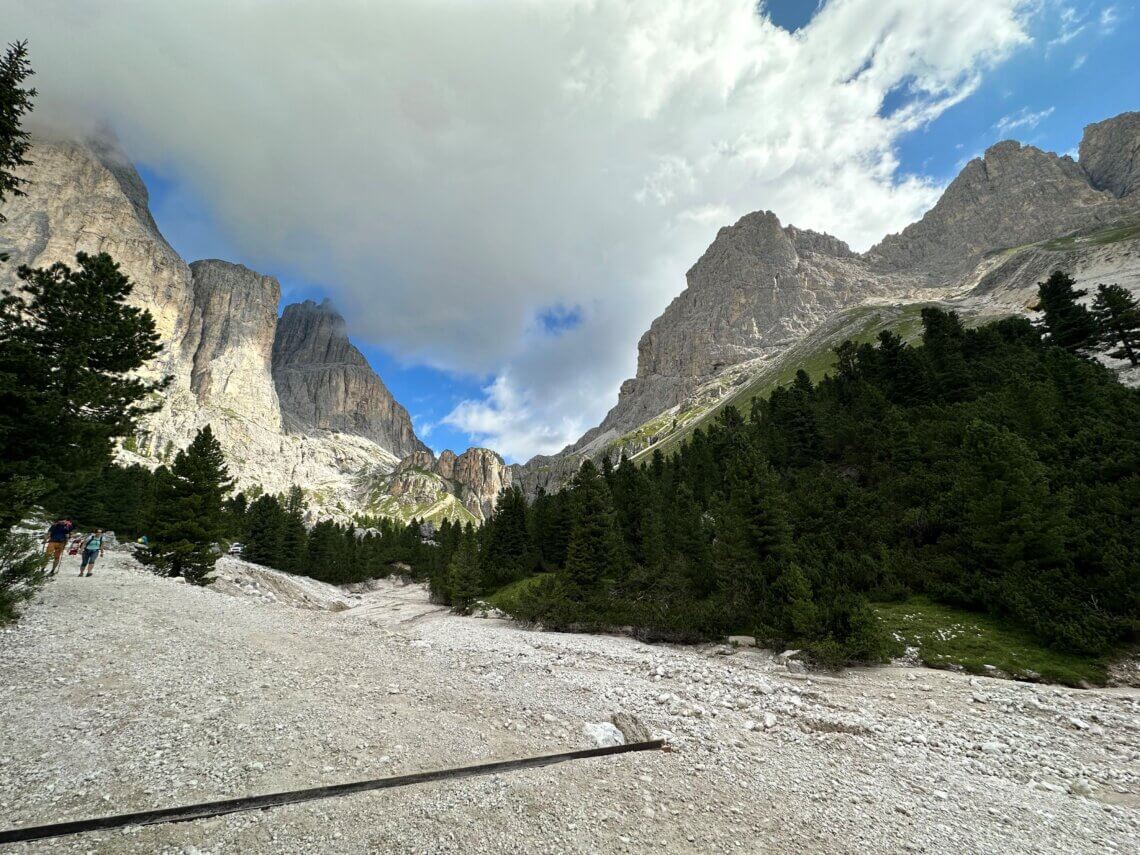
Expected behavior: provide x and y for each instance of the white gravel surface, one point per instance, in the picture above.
(126, 692)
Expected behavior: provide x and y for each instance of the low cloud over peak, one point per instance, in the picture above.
(512, 188)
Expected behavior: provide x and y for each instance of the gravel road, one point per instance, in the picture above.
(126, 692)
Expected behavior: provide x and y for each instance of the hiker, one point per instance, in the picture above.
(56, 541)
(92, 549)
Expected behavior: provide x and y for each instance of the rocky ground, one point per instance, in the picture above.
(125, 692)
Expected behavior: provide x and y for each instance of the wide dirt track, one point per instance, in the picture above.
(127, 692)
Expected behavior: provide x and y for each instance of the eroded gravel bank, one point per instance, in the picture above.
(125, 692)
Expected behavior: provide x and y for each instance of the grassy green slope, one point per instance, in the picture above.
(947, 637)
(815, 355)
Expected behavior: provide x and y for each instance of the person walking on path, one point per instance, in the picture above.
(92, 549)
(56, 541)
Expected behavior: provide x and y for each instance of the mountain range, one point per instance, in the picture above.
(294, 402)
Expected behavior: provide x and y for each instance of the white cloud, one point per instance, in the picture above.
(1023, 118)
(1079, 61)
(450, 168)
(1073, 23)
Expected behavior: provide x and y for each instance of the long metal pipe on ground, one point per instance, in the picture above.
(226, 806)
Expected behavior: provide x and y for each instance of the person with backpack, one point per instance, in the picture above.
(92, 549)
(56, 541)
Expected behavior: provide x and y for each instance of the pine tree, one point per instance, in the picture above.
(508, 555)
(638, 516)
(1066, 322)
(294, 544)
(326, 552)
(189, 519)
(447, 542)
(799, 612)
(264, 528)
(20, 566)
(688, 540)
(464, 576)
(236, 507)
(593, 550)
(15, 103)
(560, 523)
(1117, 315)
(69, 349)
(1008, 529)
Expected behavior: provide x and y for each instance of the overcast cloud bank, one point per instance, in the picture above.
(455, 172)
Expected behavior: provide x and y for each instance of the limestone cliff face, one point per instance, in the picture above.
(86, 197)
(445, 466)
(482, 474)
(325, 384)
(759, 287)
(229, 340)
(217, 323)
(1110, 154)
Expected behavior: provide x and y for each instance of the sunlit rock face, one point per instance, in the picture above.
(463, 488)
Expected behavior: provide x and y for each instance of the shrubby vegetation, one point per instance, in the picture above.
(987, 469)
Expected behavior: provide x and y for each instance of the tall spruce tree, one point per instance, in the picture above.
(326, 553)
(264, 532)
(465, 579)
(69, 347)
(593, 550)
(508, 555)
(15, 104)
(1066, 322)
(20, 565)
(1117, 315)
(189, 517)
(294, 535)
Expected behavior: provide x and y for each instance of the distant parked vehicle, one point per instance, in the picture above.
(236, 548)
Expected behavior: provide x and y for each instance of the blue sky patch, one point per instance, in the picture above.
(1046, 92)
(555, 320)
(791, 15)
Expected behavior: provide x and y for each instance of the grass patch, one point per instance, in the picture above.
(1115, 233)
(506, 599)
(946, 636)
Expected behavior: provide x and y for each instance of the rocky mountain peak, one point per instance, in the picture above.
(1015, 194)
(424, 486)
(1110, 154)
(446, 464)
(483, 474)
(759, 286)
(325, 384)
